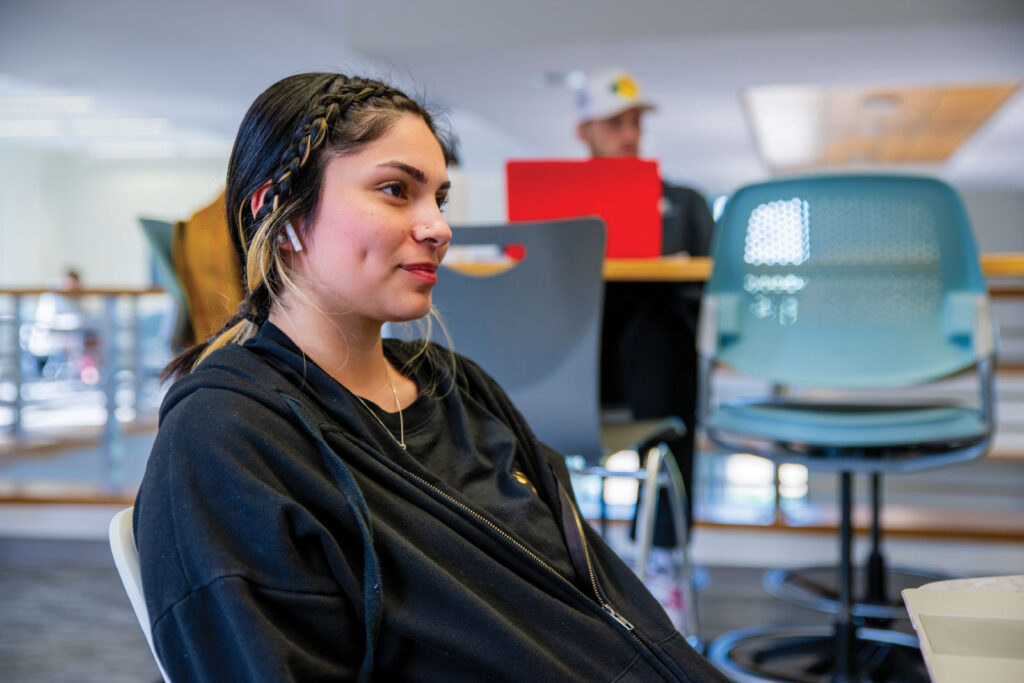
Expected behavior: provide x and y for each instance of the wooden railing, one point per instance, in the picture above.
(1005, 272)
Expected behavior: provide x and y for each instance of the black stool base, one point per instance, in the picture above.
(805, 654)
(817, 588)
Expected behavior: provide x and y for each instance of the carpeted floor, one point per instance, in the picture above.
(64, 615)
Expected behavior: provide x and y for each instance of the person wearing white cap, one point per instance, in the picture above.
(608, 115)
(648, 356)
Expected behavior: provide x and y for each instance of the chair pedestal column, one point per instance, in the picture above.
(846, 643)
(844, 652)
(876, 585)
(879, 604)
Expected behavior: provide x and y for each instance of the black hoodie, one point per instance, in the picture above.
(284, 537)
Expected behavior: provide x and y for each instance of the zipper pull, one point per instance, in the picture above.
(623, 622)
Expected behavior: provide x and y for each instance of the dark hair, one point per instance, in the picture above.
(286, 139)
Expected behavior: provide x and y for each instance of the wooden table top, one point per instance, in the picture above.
(698, 268)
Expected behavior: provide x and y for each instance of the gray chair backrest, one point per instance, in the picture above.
(536, 326)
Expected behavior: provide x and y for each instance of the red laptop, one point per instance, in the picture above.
(626, 193)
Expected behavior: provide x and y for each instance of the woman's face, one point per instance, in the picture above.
(378, 236)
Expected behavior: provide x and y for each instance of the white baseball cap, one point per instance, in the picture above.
(609, 94)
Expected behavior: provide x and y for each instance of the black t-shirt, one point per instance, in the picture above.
(463, 445)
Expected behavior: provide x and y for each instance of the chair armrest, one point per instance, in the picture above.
(640, 435)
(719, 322)
(967, 320)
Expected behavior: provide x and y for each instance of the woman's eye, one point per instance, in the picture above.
(442, 201)
(395, 190)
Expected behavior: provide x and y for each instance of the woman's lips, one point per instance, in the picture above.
(427, 272)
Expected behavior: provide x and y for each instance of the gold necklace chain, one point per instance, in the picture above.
(400, 440)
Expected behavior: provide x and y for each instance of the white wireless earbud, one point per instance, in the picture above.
(292, 236)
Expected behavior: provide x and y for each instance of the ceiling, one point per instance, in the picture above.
(198, 64)
(842, 124)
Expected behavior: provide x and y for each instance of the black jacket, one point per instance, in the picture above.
(686, 221)
(280, 540)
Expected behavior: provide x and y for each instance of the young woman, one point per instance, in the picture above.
(322, 504)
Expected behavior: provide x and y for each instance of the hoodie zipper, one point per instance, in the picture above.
(598, 597)
(593, 579)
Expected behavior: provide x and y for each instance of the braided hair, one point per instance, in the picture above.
(284, 143)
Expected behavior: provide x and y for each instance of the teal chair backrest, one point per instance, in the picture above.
(846, 281)
(160, 236)
(536, 326)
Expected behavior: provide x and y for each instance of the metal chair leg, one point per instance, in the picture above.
(660, 458)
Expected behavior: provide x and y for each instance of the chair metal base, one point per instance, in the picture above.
(700, 577)
(817, 588)
(659, 472)
(806, 654)
(845, 652)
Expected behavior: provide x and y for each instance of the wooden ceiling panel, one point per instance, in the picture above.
(862, 124)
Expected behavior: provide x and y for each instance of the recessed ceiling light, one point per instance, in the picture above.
(30, 128)
(47, 105)
(881, 103)
(152, 149)
(575, 79)
(129, 126)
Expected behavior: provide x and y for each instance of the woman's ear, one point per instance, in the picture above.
(256, 203)
(583, 132)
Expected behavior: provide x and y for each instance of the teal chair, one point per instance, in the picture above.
(160, 236)
(834, 290)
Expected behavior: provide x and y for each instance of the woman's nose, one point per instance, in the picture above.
(434, 230)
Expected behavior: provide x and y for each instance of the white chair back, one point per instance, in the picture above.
(126, 558)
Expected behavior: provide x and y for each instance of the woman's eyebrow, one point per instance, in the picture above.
(418, 175)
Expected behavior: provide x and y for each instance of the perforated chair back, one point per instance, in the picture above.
(535, 327)
(126, 559)
(846, 281)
